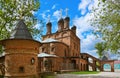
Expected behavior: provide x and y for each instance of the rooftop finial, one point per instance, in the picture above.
(61, 13)
(48, 18)
(66, 10)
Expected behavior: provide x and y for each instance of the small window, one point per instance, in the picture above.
(53, 49)
(32, 61)
(76, 54)
(21, 69)
(43, 49)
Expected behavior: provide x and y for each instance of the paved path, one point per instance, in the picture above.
(100, 75)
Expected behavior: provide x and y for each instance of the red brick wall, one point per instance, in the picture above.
(19, 54)
(59, 48)
(69, 38)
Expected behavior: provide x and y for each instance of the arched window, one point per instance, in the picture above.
(53, 49)
(32, 61)
(90, 60)
(43, 49)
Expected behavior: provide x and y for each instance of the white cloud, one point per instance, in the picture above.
(47, 11)
(57, 14)
(88, 42)
(83, 24)
(54, 6)
(83, 6)
(43, 16)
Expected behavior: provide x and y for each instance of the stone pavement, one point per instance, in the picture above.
(100, 75)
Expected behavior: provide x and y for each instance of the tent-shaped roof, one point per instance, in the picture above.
(49, 40)
(104, 58)
(21, 31)
(46, 55)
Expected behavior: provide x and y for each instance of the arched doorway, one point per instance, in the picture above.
(107, 67)
(117, 66)
(81, 67)
(90, 68)
(74, 64)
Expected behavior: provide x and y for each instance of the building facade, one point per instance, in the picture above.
(25, 57)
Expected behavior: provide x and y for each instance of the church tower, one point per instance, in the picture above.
(67, 36)
(21, 53)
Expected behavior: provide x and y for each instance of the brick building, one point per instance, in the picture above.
(64, 44)
(25, 57)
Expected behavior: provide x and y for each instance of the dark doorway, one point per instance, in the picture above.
(74, 64)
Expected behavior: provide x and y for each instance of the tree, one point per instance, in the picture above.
(13, 10)
(100, 49)
(107, 21)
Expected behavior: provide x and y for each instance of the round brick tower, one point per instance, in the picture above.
(21, 53)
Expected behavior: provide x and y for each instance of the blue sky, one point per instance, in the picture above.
(79, 13)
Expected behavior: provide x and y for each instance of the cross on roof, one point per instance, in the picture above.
(66, 10)
(48, 18)
(61, 13)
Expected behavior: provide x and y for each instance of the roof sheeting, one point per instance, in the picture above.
(104, 58)
(21, 31)
(49, 40)
(46, 55)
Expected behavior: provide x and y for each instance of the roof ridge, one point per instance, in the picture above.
(21, 31)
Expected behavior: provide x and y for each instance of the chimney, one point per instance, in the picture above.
(66, 22)
(49, 25)
(74, 29)
(60, 25)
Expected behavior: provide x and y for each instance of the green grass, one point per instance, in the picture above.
(85, 72)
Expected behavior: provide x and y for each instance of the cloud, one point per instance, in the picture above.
(43, 16)
(83, 23)
(47, 11)
(84, 32)
(54, 6)
(89, 42)
(84, 4)
(57, 14)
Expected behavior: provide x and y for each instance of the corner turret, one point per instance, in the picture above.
(74, 29)
(66, 22)
(48, 25)
(60, 25)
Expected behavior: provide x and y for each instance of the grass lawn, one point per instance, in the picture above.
(85, 72)
(48, 77)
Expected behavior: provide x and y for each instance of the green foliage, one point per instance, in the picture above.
(97, 63)
(100, 48)
(13, 10)
(107, 21)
